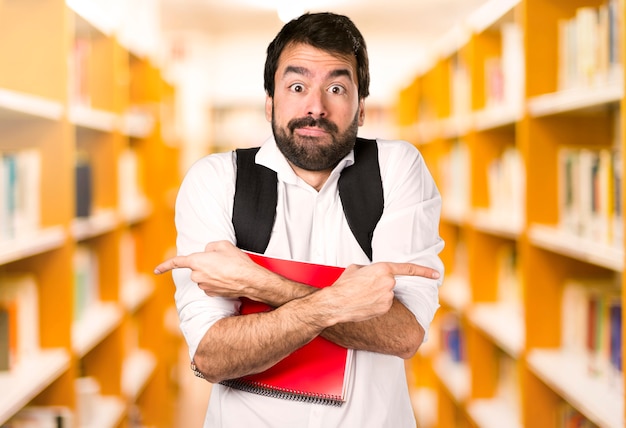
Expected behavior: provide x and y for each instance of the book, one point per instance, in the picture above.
(589, 187)
(19, 304)
(86, 280)
(453, 338)
(317, 372)
(591, 325)
(20, 177)
(5, 337)
(83, 187)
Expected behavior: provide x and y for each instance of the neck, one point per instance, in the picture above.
(315, 179)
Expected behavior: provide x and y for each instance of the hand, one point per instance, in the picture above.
(221, 269)
(364, 292)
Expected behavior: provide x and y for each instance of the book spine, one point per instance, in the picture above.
(589, 187)
(19, 304)
(87, 394)
(83, 177)
(86, 288)
(591, 326)
(454, 167)
(128, 173)
(569, 417)
(513, 65)
(79, 68)
(5, 349)
(10, 194)
(506, 183)
(20, 176)
(452, 338)
(589, 47)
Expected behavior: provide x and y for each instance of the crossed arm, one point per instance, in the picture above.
(358, 311)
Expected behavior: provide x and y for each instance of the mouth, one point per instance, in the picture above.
(310, 131)
(308, 126)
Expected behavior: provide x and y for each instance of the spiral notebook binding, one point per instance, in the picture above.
(285, 394)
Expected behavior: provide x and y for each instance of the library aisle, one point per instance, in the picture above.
(520, 118)
(87, 173)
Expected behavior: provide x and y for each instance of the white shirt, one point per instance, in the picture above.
(310, 226)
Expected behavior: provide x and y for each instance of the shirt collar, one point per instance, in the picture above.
(269, 155)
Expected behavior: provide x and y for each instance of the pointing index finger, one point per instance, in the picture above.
(411, 269)
(170, 264)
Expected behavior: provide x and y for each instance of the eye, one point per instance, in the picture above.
(297, 87)
(337, 90)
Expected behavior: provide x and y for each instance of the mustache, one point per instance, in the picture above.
(322, 123)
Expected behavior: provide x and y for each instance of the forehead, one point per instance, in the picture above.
(312, 58)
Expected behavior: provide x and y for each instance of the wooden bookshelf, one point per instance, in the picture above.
(70, 90)
(514, 240)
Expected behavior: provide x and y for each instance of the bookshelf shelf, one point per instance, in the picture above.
(455, 376)
(15, 105)
(572, 100)
(93, 14)
(456, 293)
(28, 379)
(137, 124)
(564, 243)
(456, 126)
(108, 412)
(595, 398)
(499, 224)
(103, 221)
(493, 118)
(139, 211)
(139, 366)
(494, 413)
(97, 120)
(99, 321)
(491, 12)
(503, 323)
(35, 243)
(454, 215)
(136, 291)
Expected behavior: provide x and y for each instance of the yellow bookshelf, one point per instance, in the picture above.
(70, 91)
(518, 230)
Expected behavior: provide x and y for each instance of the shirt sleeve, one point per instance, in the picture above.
(203, 215)
(408, 231)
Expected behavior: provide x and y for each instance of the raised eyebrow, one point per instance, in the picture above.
(340, 72)
(306, 72)
(297, 70)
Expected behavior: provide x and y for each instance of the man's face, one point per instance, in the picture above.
(315, 111)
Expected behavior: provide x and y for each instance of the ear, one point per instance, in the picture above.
(268, 108)
(361, 112)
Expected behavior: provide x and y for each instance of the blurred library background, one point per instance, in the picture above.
(516, 105)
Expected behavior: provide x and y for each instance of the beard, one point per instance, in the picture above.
(308, 152)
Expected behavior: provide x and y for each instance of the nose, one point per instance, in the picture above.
(316, 104)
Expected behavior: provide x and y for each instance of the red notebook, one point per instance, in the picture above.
(315, 373)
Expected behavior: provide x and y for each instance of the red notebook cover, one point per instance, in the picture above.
(318, 371)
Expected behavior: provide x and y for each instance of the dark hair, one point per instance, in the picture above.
(326, 31)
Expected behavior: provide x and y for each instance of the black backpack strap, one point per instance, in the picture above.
(361, 193)
(254, 207)
(256, 197)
